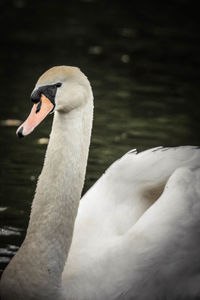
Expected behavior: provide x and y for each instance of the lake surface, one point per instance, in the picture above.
(143, 64)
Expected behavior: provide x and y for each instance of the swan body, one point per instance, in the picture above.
(135, 233)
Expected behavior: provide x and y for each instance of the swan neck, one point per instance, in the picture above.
(60, 184)
(45, 249)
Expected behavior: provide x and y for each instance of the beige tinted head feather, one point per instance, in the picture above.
(61, 74)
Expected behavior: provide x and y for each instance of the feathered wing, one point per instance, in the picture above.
(121, 230)
(132, 184)
(166, 241)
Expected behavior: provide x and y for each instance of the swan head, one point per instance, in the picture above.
(61, 89)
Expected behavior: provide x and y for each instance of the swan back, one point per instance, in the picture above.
(134, 182)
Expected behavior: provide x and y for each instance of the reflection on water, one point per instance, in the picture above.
(143, 67)
(10, 122)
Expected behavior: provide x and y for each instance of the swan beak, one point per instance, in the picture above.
(38, 112)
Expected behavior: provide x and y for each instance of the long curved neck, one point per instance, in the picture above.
(59, 187)
(47, 243)
(60, 184)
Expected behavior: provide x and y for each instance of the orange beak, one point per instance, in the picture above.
(38, 112)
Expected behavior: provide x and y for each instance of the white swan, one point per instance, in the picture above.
(137, 232)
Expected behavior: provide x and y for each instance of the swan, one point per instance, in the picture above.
(134, 235)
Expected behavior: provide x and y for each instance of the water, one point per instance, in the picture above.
(143, 64)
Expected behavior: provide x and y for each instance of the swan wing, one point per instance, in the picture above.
(132, 184)
(164, 245)
(123, 235)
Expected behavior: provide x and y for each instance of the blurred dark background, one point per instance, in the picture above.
(142, 59)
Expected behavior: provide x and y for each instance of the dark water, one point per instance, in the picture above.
(143, 63)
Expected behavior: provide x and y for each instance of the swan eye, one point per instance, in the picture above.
(58, 84)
